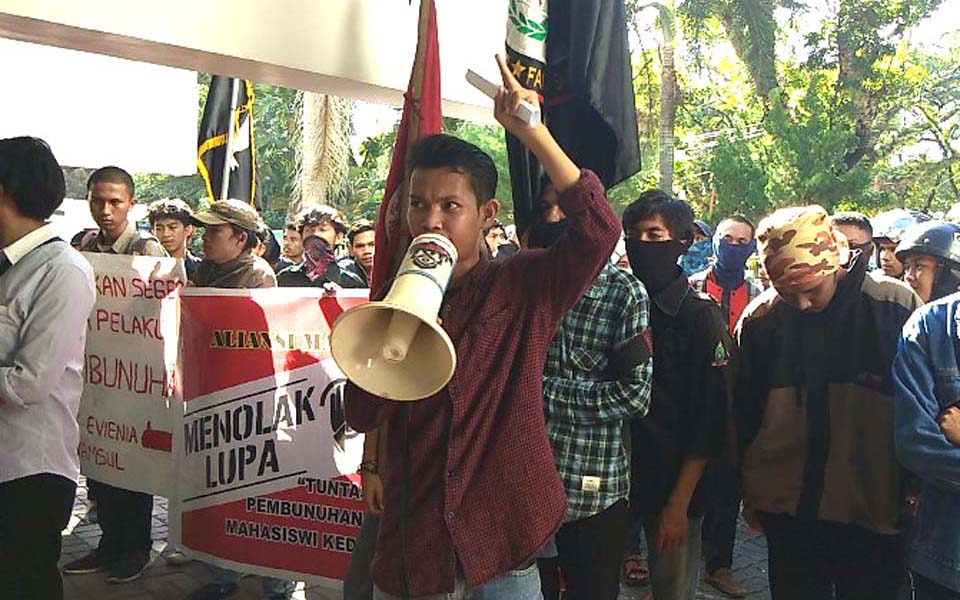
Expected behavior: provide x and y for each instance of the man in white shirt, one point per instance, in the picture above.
(46, 294)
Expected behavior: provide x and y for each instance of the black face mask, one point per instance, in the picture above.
(544, 235)
(655, 263)
(866, 249)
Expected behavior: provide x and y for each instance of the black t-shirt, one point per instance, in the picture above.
(352, 267)
(687, 417)
(190, 263)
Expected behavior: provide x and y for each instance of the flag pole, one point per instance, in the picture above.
(234, 99)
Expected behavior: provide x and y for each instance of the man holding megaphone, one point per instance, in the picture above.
(472, 494)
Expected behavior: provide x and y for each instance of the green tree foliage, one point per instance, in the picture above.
(277, 136)
(490, 139)
(856, 119)
(850, 116)
(924, 144)
(808, 148)
(739, 180)
(361, 193)
(860, 43)
(749, 26)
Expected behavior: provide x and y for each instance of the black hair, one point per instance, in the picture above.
(361, 226)
(31, 176)
(441, 151)
(253, 237)
(170, 208)
(319, 214)
(111, 175)
(497, 224)
(853, 219)
(743, 220)
(291, 225)
(273, 251)
(676, 214)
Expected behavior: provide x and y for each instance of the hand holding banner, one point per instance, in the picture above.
(128, 408)
(263, 447)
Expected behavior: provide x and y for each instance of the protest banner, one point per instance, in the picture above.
(129, 406)
(265, 461)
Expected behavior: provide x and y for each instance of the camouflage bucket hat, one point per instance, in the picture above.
(229, 212)
(799, 246)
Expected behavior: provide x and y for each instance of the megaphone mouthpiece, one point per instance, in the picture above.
(395, 348)
(400, 334)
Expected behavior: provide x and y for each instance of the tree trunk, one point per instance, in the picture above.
(853, 46)
(751, 29)
(326, 149)
(669, 93)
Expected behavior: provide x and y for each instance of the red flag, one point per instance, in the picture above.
(421, 117)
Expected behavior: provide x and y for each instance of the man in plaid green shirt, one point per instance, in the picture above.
(597, 376)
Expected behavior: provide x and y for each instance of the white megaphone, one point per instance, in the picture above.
(395, 349)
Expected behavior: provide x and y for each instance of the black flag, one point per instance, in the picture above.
(212, 146)
(578, 60)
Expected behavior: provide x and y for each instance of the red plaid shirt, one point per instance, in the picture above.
(484, 489)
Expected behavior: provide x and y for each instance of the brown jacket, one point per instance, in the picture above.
(132, 242)
(814, 404)
(247, 271)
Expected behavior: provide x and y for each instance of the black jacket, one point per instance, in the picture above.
(814, 406)
(351, 266)
(691, 350)
(296, 276)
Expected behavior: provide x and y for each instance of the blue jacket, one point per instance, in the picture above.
(926, 375)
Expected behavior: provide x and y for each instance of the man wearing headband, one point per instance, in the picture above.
(813, 406)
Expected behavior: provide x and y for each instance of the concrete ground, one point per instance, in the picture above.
(749, 565)
(165, 582)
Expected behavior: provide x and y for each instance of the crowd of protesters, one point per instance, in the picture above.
(626, 389)
(47, 292)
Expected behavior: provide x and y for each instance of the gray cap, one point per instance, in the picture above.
(229, 212)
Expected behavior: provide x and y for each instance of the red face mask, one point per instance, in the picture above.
(318, 256)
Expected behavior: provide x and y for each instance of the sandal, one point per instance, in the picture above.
(635, 570)
(728, 585)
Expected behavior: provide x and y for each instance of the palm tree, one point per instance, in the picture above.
(325, 154)
(669, 93)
